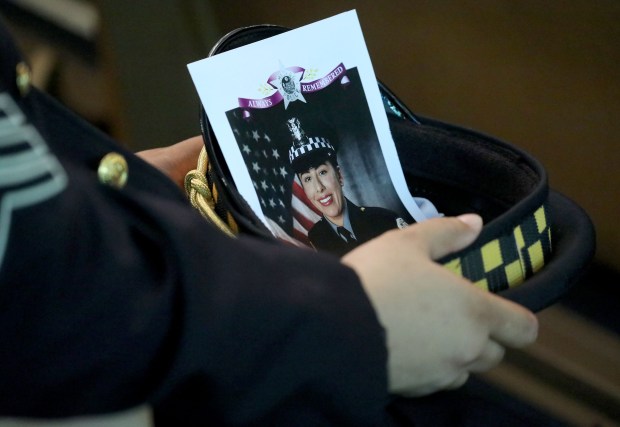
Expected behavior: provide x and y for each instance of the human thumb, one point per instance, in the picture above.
(439, 237)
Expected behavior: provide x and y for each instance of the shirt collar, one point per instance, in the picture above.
(347, 220)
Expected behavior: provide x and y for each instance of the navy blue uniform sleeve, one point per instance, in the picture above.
(114, 297)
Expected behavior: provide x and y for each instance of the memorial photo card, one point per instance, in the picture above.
(302, 128)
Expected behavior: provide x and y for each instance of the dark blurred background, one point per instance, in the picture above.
(544, 76)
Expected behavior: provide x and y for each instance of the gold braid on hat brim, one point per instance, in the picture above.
(203, 196)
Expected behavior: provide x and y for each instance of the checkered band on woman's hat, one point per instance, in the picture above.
(304, 145)
(314, 143)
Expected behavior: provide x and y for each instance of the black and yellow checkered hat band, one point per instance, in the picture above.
(510, 259)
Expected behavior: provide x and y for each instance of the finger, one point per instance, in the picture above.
(510, 324)
(185, 154)
(441, 236)
(491, 355)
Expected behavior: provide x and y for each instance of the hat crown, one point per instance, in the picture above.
(304, 146)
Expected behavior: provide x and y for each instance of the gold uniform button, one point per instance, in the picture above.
(23, 78)
(113, 170)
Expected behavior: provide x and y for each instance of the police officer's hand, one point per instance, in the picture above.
(439, 326)
(175, 160)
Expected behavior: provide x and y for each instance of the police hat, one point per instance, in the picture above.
(535, 242)
(308, 151)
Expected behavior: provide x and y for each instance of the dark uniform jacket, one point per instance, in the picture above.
(111, 297)
(367, 223)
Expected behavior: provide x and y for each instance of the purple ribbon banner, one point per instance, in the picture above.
(306, 87)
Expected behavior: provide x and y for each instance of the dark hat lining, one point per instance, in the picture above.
(463, 171)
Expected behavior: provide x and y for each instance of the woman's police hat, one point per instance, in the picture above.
(308, 151)
(535, 242)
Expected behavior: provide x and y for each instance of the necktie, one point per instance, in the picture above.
(345, 234)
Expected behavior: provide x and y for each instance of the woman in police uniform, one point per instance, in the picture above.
(344, 225)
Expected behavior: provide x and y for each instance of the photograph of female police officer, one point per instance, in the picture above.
(343, 225)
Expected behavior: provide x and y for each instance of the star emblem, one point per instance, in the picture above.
(289, 86)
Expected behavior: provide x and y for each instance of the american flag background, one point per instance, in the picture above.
(304, 213)
(264, 148)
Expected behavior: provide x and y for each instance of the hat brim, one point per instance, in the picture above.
(573, 249)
